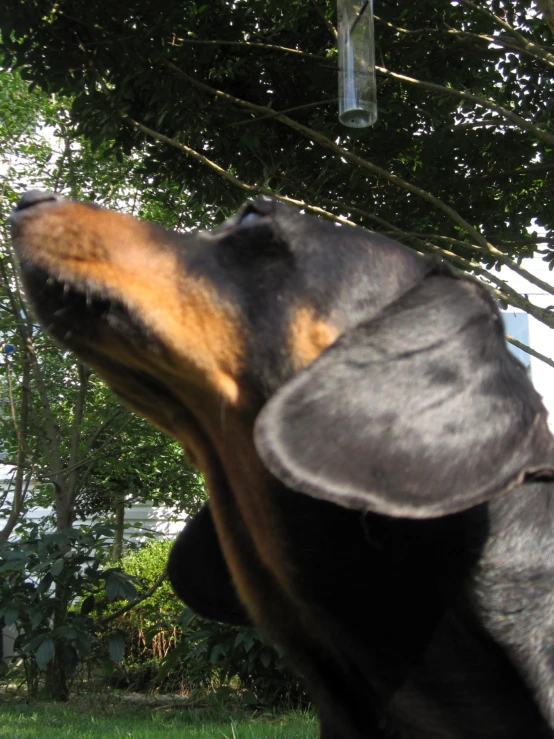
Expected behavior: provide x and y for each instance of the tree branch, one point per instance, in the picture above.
(251, 45)
(324, 141)
(21, 483)
(424, 246)
(103, 426)
(530, 351)
(126, 608)
(506, 261)
(252, 189)
(332, 30)
(481, 102)
(536, 52)
(508, 28)
(507, 114)
(78, 413)
(541, 314)
(257, 119)
(90, 460)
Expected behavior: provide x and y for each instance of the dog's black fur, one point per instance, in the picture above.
(381, 498)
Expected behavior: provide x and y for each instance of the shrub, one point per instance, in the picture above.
(49, 585)
(171, 649)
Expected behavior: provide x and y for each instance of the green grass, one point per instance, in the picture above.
(90, 718)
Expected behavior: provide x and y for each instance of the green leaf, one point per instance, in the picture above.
(220, 650)
(13, 555)
(118, 585)
(57, 567)
(7, 567)
(34, 643)
(11, 614)
(116, 646)
(87, 605)
(36, 619)
(45, 653)
(186, 618)
(112, 587)
(66, 632)
(265, 658)
(44, 584)
(82, 643)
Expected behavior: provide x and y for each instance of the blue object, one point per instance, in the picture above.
(517, 325)
(8, 349)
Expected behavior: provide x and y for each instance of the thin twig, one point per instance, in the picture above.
(482, 102)
(534, 51)
(510, 29)
(327, 143)
(252, 189)
(530, 351)
(332, 30)
(307, 106)
(502, 290)
(129, 606)
(507, 114)
(251, 45)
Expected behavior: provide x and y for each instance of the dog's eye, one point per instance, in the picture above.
(255, 211)
(251, 217)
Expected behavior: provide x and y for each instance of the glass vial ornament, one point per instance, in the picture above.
(357, 90)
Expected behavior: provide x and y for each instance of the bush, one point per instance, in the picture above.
(49, 585)
(171, 649)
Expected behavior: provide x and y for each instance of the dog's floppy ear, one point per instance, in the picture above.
(417, 413)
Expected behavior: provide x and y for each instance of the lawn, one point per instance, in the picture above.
(93, 717)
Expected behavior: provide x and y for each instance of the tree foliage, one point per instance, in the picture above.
(33, 574)
(239, 96)
(74, 436)
(170, 648)
(175, 112)
(69, 444)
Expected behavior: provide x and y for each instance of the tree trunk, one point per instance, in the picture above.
(56, 678)
(117, 547)
(22, 480)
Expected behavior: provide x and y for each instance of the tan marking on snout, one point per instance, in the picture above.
(122, 258)
(308, 336)
(119, 257)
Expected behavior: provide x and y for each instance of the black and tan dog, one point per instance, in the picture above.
(378, 462)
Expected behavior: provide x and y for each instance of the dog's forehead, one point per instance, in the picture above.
(280, 248)
(269, 283)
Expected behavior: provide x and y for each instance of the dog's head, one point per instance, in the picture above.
(357, 371)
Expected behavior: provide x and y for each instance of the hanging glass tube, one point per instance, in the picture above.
(357, 90)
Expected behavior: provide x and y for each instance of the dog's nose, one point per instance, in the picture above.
(33, 197)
